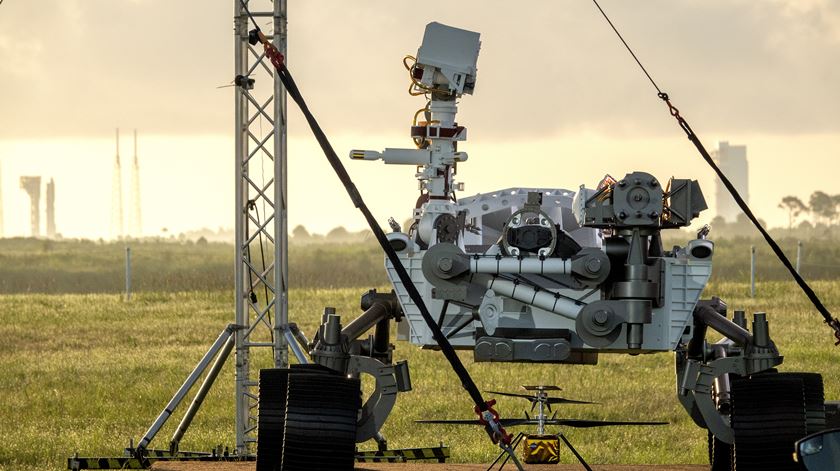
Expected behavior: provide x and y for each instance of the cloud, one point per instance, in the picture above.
(80, 68)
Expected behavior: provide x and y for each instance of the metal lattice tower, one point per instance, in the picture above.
(116, 195)
(135, 224)
(261, 225)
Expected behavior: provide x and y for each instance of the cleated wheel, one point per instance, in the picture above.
(272, 415)
(313, 432)
(768, 416)
(320, 422)
(814, 400)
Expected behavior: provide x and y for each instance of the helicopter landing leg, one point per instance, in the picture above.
(513, 445)
(577, 455)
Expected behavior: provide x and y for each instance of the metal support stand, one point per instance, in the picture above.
(799, 257)
(261, 285)
(200, 395)
(128, 273)
(184, 389)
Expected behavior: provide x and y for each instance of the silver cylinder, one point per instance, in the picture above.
(494, 265)
(542, 299)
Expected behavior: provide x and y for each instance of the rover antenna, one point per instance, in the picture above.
(812, 296)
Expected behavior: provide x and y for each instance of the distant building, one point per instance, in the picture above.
(32, 186)
(51, 209)
(732, 161)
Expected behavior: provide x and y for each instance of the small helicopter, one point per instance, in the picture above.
(541, 447)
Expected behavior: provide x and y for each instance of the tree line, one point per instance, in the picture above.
(822, 208)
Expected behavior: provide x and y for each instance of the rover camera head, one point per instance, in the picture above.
(447, 59)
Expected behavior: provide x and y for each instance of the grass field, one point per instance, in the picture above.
(82, 266)
(86, 372)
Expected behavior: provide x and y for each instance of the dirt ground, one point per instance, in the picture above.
(430, 467)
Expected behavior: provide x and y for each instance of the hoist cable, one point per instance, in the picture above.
(812, 296)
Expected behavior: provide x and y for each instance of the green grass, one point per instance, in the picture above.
(87, 372)
(84, 266)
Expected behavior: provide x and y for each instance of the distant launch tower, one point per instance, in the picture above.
(732, 160)
(116, 196)
(135, 224)
(51, 209)
(32, 186)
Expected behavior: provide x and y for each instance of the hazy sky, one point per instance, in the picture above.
(558, 101)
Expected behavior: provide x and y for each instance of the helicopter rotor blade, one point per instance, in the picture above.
(503, 422)
(563, 400)
(530, 397)
(582, 423)
(549, 400)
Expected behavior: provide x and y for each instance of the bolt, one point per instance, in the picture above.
(445, 264)
(601, 318)
(654, 183)
(637, 197)
(637, 181)
(622, 215)
(622, 183)
(593, 265)
(653, 215)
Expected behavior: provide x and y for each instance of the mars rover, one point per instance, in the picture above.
(556, 275)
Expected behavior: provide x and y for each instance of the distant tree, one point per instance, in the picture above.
(744, 227)
(836, 199)
(338, 233)
(823, 207)
(794, 206)
(300, 232)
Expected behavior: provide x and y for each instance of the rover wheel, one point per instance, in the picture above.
(814, 400)
(320, 422)
(271, 423)
(272, 415)
(768, 416)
